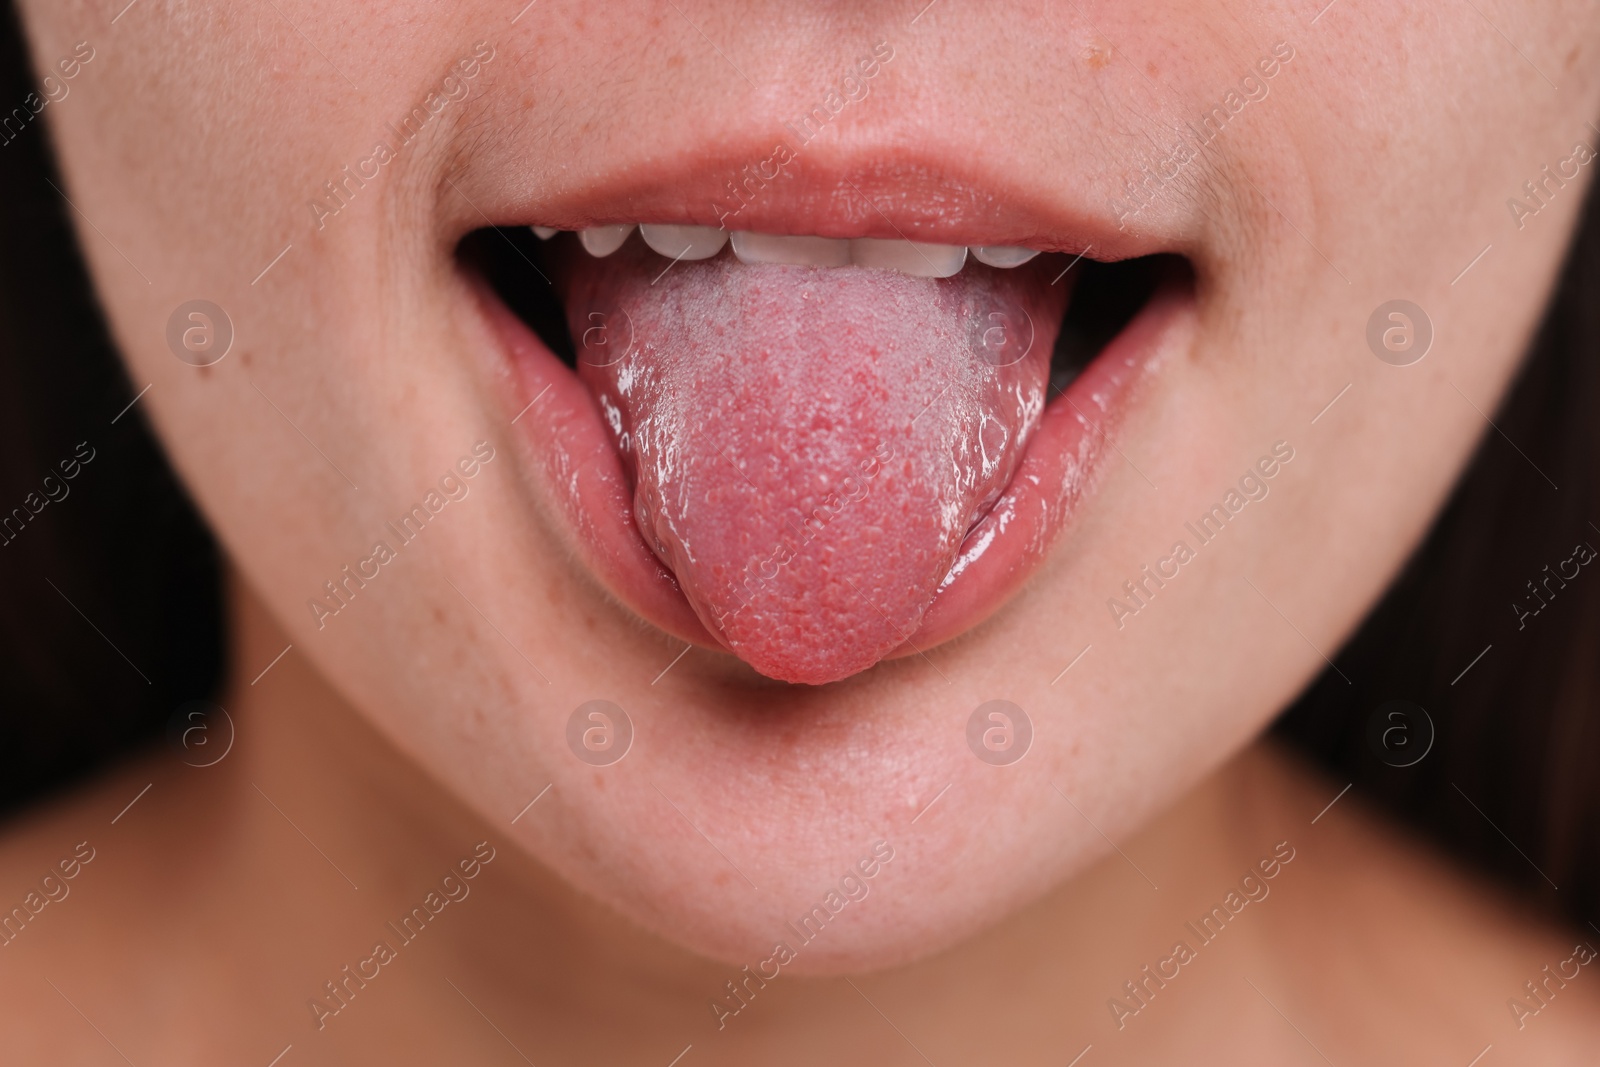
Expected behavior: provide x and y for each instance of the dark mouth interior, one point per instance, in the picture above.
(1108, 295)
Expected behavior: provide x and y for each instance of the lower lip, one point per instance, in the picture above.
(1058, 472)
(570, 455)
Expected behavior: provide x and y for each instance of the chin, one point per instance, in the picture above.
(818, 878)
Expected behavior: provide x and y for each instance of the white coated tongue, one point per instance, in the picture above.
(809, 446)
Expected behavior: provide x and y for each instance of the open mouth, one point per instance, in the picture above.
(816, 452)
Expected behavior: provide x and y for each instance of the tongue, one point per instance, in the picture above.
(810, 446)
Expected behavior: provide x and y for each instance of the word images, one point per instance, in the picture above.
(1252, 486)
(53, 889)
(453, 887)
(1581, 556)
(339, 193)
(1156, 177)
(852, 887)
(55, 491)
(1541, 994)
(1252, 888)
(1542, 190)
(54, 92)
(853, 88)
(410, 526)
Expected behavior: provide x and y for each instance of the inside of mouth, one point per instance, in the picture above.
(1106, 298)
(809, 446)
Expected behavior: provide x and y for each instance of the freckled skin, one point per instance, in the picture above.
(190, 149)
(811, 447)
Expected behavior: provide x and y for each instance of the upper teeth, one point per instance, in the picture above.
(1001, 256)
(702, 242)
(684, 242)
(908, 257)
(804, 251)
(604, 240)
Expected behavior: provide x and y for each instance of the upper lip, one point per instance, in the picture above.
(937, 194)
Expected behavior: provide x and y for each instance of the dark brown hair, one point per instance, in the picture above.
(111, 612)
(112, 609)
(1489, 631)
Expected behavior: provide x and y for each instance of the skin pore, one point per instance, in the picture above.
(393, 738)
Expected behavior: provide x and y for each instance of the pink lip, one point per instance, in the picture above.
(1058, 470)
(944, 194)
(578, 468)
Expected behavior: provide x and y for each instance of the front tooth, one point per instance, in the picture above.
(908, 257)
(684, 242)
(601, 241)
(799, 251)
(1002, 256)
(544, 233)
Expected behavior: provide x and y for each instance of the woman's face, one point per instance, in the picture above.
(447, 521)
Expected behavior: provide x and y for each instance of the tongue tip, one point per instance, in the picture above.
(814, 625)
(813, 647)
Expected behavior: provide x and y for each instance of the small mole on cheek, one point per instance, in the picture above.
(244, 357)
(1572, 57)
(438, 616)
(1097, 54)
(600, 781)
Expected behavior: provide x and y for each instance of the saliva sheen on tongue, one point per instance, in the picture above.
(809, 447)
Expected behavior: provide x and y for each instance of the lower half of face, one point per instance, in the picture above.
(924, 443)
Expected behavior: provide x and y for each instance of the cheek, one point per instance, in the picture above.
(305, 445)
